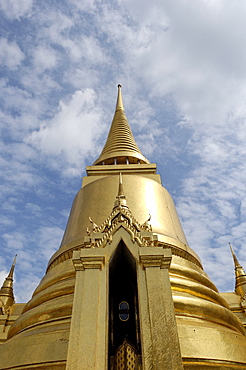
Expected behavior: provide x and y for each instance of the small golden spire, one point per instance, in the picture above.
(6, 292)
(120, 147)
(236, 263)
(240, 285)
(120, 198)
(11, 272)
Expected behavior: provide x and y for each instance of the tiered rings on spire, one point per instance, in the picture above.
(6, 292)
(120, 147)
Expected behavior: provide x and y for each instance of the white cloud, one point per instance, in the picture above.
(191, 52)
(82, 76)
(11, 55)
(182, 67)
(49, 240)
(82, 49)
(72, 133)
(215, 185)
(15, 241)
(55, 25)
(44, 57)
(18, 175)
(16, 9)
(33, 252)
(92, 50)
(25, 284)
(34, 209)
(40, 85)
(83, 5)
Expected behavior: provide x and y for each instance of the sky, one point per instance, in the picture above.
(181, 65)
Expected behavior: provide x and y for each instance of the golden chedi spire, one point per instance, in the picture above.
(240, 285)
(120, 147)
(6, 292)
(71, 321)
(121, 198)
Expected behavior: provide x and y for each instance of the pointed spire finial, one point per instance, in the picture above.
(11, 272)
(6, 292)
(240, 285)
(119, 103)
(236, 263)
(120, 198)
(120, 147)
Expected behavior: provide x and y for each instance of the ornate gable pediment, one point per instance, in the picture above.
(121, 216)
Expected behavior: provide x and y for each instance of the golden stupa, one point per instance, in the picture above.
(124, 290)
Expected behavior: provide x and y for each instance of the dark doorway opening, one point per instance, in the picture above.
(124, 338)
